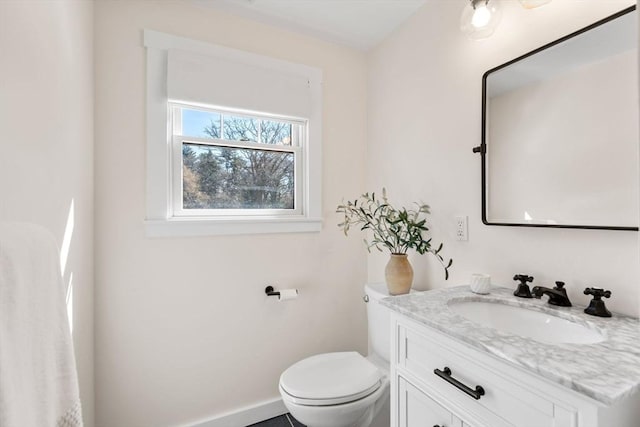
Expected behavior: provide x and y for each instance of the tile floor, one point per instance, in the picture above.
(285, 420)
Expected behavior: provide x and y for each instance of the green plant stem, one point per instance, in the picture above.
(397, 230)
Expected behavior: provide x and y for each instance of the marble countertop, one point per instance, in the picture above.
(608, 371)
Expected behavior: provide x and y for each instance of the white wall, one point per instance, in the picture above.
(424, 104)
(183, 328)
(46, 150)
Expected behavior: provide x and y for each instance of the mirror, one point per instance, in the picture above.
(560, 132)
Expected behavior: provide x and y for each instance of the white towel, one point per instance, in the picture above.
(38, 377)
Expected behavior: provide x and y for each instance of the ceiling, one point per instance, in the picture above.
(361, 24)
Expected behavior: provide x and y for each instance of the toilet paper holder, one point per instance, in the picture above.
(283, 295)
(271, 292)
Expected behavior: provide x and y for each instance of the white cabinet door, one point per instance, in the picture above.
(505, 402)
(416, 409)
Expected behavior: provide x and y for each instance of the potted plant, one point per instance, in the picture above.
(393, 229)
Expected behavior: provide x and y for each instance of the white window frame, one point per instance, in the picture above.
(297, 148)
(162, 218)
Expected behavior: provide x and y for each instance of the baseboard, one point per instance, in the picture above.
(245, 416)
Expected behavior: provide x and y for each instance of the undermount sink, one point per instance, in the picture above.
(537, 325)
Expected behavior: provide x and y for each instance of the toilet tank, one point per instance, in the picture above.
(379, 320)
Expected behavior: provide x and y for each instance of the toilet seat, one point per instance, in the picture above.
(330, 379)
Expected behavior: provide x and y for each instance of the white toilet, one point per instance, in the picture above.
(344, 389)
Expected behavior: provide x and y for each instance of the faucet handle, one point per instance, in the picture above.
(523, 278)
(523, 290)
(597, 306)
(597, 293)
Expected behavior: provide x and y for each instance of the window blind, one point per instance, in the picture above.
(221, 81)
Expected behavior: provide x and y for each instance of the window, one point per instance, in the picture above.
(231, 163)
(233, 141)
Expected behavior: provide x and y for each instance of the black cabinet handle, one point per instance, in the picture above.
(445, 374)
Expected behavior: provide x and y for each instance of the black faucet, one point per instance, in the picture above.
(523, 290)
(596, 306)
(557, 295)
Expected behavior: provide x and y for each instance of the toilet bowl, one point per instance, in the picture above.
(344, 389)
(334, 390)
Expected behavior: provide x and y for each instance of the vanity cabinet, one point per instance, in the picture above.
(510, 396)
(419, 410)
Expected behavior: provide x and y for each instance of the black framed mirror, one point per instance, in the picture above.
(560, 132)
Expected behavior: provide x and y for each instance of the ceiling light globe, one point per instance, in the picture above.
(480, 18)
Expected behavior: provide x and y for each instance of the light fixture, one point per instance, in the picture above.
(480, 18)
(531, 4)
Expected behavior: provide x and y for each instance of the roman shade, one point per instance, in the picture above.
(238, 83)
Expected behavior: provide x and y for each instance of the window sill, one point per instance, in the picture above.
(190, 227)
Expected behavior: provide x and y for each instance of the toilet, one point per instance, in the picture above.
(344, 389)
